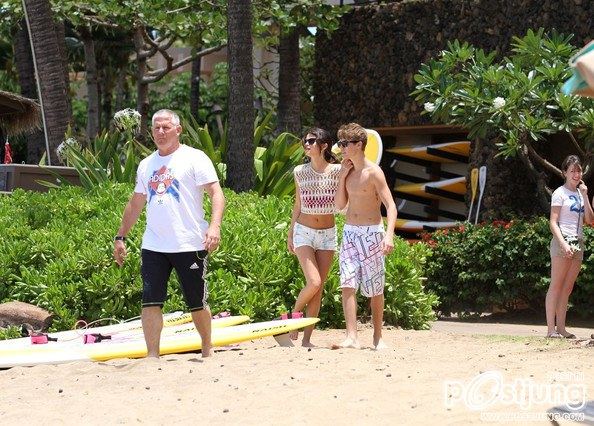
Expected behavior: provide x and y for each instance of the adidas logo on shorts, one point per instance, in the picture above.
(194, 266)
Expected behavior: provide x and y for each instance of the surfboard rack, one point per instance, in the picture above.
(445, 194)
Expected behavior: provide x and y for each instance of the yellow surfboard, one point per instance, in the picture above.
(454, 186)
(373, 149)
(172, 323)
(135, 347)
(449, 152)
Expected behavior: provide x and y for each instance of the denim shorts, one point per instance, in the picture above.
(318, 239)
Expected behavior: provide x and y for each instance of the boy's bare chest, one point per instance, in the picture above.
(359, 182)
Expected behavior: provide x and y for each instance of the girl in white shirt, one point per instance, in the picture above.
(312, 234)
(570, 209)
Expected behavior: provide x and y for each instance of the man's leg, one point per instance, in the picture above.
(152, 324)
(349, 306)
(155, 271)
(350, 276)
(191, 269)
(202, 320)
(377, 315)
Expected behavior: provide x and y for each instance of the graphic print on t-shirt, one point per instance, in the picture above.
(163, 182)
(577, 204)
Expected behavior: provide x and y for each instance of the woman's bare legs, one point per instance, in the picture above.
(564, 271)
(563, 299)
(324, 261)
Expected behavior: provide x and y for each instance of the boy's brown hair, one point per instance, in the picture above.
(353, 132)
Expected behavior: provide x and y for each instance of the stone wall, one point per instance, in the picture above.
(365, 71)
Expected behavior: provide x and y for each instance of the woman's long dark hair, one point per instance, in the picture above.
(322, 137)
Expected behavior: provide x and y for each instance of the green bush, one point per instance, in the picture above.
(503, 264)
(56, 252)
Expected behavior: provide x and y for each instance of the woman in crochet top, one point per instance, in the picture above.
(312, 234)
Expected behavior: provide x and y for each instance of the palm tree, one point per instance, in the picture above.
(49, 65)
(289, 93)
(240, 155)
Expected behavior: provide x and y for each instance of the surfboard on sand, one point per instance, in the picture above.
(449, 188)
(135, 347)
(448, 152)
(373, 149)
(172, 322)
(421, 225)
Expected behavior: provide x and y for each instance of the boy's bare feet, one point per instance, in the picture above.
(348, 343)
(206, 351)
(379, 344)
(294, 335)
(308, 344)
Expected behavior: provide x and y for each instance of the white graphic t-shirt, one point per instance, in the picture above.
(571, 216)
(174, 191)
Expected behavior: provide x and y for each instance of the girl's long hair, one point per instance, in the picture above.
(322, 137)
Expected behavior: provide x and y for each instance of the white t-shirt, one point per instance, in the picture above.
(174, 191)
(571, 216)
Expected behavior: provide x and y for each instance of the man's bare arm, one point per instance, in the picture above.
(217, 198)
(381, 186)
(129, 218)
(342, 197)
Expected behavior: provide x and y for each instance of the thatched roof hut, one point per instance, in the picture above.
(18, 114)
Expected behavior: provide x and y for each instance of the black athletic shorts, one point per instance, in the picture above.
(190, 268)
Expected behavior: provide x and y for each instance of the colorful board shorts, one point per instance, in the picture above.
(361, 259)
(557, 251)
(318, 239)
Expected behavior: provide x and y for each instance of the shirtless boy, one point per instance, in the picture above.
(362, 186)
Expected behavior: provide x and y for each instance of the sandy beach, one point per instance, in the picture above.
(420, 379)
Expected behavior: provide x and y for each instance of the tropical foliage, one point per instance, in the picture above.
(115, 157)
(502, 264)
(46, 259)
(517, 98)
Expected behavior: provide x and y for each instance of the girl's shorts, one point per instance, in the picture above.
(318, 239)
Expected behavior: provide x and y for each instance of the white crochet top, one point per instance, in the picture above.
(317, 190)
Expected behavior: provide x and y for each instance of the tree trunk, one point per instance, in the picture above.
(142, 89)
(61, 42)
(50, 71)
(289, 94)
(240, 155)
(121, 90)
(93, 118)
(26, 74)
(195, 87)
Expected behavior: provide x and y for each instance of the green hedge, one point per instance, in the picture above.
(56, 252)
(503, 264)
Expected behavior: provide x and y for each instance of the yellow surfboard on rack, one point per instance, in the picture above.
(437, 153)
(373, 149)
(455, 186)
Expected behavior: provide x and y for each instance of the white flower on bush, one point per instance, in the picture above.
(63, 148)
(127, 119)
(429, 106)
(498, 102)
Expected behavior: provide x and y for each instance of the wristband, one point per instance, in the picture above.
(119, 238)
